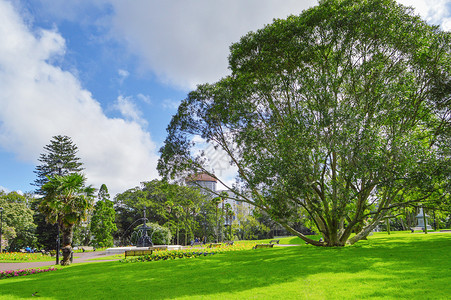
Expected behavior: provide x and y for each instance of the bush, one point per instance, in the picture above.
(15, 273)
(160, 235)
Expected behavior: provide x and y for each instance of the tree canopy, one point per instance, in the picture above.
(182, 209)
(103, 219)
(341, 114)
(17, 227)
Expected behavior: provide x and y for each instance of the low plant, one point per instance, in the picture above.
(24, 272)
(23, 257)
(186, 253)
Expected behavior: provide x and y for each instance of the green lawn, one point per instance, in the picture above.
(402, 265)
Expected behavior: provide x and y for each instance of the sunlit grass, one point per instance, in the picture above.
(400, 265)
(110, 257)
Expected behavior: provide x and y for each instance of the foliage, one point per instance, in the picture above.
(172, 254)
(24, 272)
(186, 253)
(160, 235)
(17, 227)
(103, 219)
(247, 227)
(182, 209)
(340, 114)
(66, 202)
(62, 148)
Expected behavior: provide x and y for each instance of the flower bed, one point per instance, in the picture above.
(187, 253)
(25, 272)
(23, 257)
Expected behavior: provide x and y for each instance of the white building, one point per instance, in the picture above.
(238, 207)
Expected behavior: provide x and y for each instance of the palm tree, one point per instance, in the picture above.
(216, 201)
(66, 202)
(229, 215)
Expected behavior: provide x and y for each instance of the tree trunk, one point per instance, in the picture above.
(67, 231)
(365, 231)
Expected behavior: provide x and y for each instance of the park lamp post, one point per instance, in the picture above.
(1, 228)
(59, 165)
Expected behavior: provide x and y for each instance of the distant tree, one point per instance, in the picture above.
(335, 114)
(181, 208)
(247, 227)
(17, 227)
(46, 233)
(66, 201)
(62, 148)
(103, 219)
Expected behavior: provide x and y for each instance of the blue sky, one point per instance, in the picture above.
(111, 73)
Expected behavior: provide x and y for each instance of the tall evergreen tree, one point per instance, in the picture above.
(62, 148)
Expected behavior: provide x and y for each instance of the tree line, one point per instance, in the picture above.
(86, 216)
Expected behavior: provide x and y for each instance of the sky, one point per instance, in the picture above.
(111, 73)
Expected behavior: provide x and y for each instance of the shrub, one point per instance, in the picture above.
(24, 272)
(160, 234)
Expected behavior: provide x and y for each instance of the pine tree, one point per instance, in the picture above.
(62, 148)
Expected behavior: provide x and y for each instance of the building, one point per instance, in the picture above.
(238, 207)
(206, 182)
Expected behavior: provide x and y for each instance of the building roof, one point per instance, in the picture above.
(201, 177)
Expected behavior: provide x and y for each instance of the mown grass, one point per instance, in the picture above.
(400, 265)
(110, 257)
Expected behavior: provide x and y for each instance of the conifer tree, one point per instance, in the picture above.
(62, 148)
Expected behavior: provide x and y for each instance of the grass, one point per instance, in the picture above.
(110, 257)
(400, 265)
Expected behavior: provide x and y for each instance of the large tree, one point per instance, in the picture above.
(341, 113)
(67, 201)
(18, 227)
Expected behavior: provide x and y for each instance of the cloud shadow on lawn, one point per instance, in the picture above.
(391, 266)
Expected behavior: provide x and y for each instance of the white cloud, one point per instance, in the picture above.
(123, 74)
(435, 12)
(39, 100)
(144, 98)
(129, 110)
(187, 42)
(4, 189)
(170, 104)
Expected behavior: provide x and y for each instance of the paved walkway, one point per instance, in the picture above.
(78, 258)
